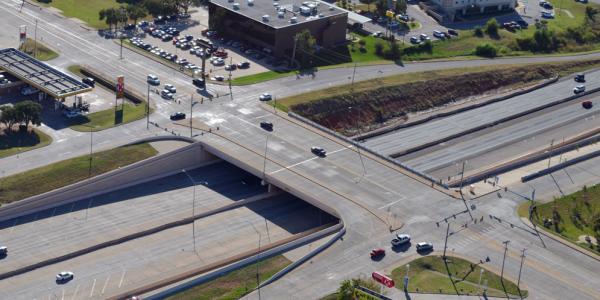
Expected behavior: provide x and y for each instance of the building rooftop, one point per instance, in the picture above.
(40, 75)
(281, 13)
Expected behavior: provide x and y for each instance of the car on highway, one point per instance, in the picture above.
(266, 125)
(3, 251)
(587, 104)
(166, 95)
(171, 88)
(579, 89)
(580, 78)
(424, 246)
(400, 239)
(377, 253)
(198, 82)
(64, 276)
(177, 116)
(218, 78)
(318, 151)
(153, 79)
(265, 97)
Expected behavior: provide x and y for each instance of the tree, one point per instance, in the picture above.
(346, 290)
(368, 3)
(109, 15)
(477, 31)
(379, 48)
(486, 50)
(161, 7)
(8, 116)
(29, 112)
(136, 12)
(381, 7)
(305, 47)
(400, 6)
(184, 5)
(590, 14)
(491, 28)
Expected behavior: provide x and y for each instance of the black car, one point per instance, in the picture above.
(199, 82)
(587, 104)
(318, 151)
(172, 18)
(452, 32)
(244, 65)
(177, 116)
(523, 24)
(129, 27)
(89, 81)
(548, 5)
(160, 20)
(580, 78)
(424, 247)
(266, 125)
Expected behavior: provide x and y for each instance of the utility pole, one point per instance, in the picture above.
(264, 179)
(356, 142)
(35, 39)
(480, 274)
(406, 278)
(230, 89)
(257, 260)
(446, 241)
(520, 268)
(550, 152)
(191, 113)
(503, 259)
(462, 176)
(148, 108)
(294, 51)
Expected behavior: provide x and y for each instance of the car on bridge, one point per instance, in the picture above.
(587, 104)
(177, 116)
(165, 94)
(171, 88)
(318, 151)
(64, 276)
(579, 89)
(153, 79)
(266, 125)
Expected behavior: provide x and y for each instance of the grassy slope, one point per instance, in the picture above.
(571, 227)
(43, 52)
(235, 284)
(63, 173)
(20, 142)
(429, 275)
(86, 11)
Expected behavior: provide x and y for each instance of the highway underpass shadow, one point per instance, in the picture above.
(222, 178)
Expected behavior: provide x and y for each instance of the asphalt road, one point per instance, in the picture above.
(336, 180)
(405, 139)
(557, 122)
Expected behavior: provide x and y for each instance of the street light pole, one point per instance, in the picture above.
(521, 267)
(357, 147)
(480, 274)
(462, 176)
(193, 207)
(257, 260)
(91, 150)
(446, 241)
(264, 179)
(503, 259)
(406, 278)
(148, 107)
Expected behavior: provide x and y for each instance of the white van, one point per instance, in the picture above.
(153, 79)
(438, 34)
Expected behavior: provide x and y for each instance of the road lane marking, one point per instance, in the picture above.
(63, 294)
(105, 284)
(122, 277)
(307, 160)
(75, 293)
(93, 286)
(392, 203)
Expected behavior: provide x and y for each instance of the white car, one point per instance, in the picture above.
(218, 62)
(153, 79)
(166, 95)
(423, 36)
(579, 89)
(64, 276)
(401, 239)
(265, 97)
(547, 15)
(171, 88)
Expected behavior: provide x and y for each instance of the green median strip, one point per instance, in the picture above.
(66, 172)
(108, 118)
(42, 52)
(456, 276)
(236, 284)
(21, 141)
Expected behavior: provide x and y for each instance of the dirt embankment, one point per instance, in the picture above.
(382, 105)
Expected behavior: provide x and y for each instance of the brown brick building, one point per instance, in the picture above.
(273, 24)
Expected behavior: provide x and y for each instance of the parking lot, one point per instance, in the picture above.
(158, 38)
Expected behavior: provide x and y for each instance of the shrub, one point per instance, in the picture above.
(491, 28)
(477, 31)
(379, 49)
(486, 50)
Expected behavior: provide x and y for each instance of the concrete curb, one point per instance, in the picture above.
(385, 130)
(133, 236)
(561, 240)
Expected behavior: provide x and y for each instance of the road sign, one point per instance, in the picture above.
(120, 87)
(22, 33)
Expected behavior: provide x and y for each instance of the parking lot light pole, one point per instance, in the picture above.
(521, 267)
(193, 207)
(357, 147)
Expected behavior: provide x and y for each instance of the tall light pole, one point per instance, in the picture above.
(193, 207)
(406, 278)
(257, 260)
(192, 103)
(503, 259)
(480, 274)
(521, 267)
(148, 107)
(446, 241)
(91, 149)
(462, 176)
(357, 147)
(264, 179)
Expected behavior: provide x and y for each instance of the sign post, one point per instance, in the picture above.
(120, 88)
(22, 35)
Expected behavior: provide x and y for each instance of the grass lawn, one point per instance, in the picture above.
(110, 117)
(76, 69)
(63, 173)
(430, 274)
(43, 52)
(577, 215)
(21, 141)
(86, 11)
(235, 284)
(260, 77)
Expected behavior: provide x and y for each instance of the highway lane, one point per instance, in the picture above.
(571, 117)
(98, 275)
(404, 139)
(363, 229)
(90, 221)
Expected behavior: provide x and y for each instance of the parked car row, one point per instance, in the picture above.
(515, 25)
(436, 33)
(549, 13)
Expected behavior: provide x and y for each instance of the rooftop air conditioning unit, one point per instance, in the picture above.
(265, 18)
(236, 6)
(294, 20)
(250, 2)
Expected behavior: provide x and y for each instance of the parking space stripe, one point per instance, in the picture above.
(93, 286)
